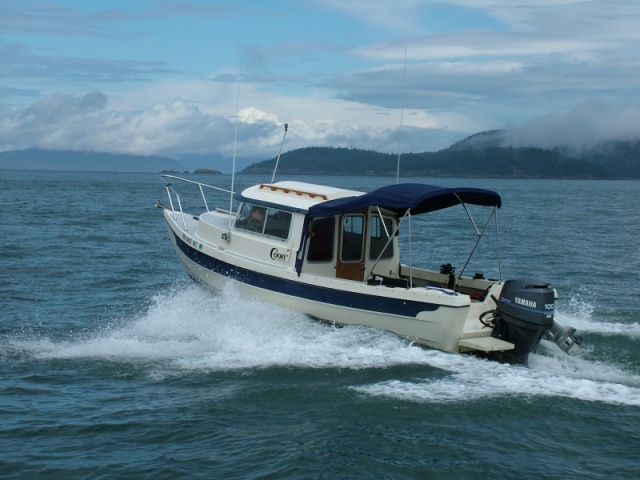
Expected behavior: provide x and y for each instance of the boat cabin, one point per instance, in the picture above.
(356, 245)
(352, 245)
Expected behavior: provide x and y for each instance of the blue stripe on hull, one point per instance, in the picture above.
(359, 301)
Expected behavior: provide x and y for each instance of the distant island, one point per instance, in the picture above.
(86, 161)
(40, 159)
(480, 155)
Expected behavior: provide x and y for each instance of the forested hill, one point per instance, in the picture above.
(329, 161)
(458, 161)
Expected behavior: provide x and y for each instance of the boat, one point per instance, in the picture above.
(335, 255)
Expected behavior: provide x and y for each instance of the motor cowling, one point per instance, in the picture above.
(524, 314)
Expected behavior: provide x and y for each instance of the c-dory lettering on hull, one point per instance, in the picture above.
(334, 254)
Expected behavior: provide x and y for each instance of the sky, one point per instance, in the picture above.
(222, 77)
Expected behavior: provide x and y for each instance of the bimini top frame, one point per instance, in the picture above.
(410, 199)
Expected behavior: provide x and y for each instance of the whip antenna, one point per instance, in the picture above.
(286, 126)
(235, 143)
(404, 82)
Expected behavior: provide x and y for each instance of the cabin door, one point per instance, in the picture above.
(350, 258)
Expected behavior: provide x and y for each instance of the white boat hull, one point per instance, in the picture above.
(426, 322)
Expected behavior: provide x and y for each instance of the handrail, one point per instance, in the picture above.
(164, 175)
(287, 190)
(200, 185)
(169, 190)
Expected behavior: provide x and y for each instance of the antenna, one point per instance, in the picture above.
(235, 143)
(286, 126)
(404, 82)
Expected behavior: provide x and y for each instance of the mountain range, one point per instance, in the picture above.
(481, 155)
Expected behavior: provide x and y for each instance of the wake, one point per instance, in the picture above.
(551, 372)
(579, 315)
(189, 330)
(192, 328)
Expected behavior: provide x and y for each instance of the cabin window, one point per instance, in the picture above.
(278, 223)
(379, 236)
(352, 238)
(251, 218)
(321, 241)
(269, 221)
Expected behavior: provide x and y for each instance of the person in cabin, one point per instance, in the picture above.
(256, 220)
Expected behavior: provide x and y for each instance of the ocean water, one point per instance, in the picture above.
(116, 365)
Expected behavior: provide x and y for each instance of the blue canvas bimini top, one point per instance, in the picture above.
(416, 197)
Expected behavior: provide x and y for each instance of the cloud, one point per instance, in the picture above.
(57, 106)
(23, 62)
(90, 122)
(94, 122)
(531, 63)
(56, 19)
(580, 128)
(84, 123)
(471, 66)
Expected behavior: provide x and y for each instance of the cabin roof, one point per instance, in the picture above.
(323, 201)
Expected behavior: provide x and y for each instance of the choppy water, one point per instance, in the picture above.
(116, 365)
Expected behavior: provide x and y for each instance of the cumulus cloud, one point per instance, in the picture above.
(179, 127)
(89, 122)
(55, 108)
(84, 123)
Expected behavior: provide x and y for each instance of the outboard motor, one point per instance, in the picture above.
(565, 338)
(523, 316)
